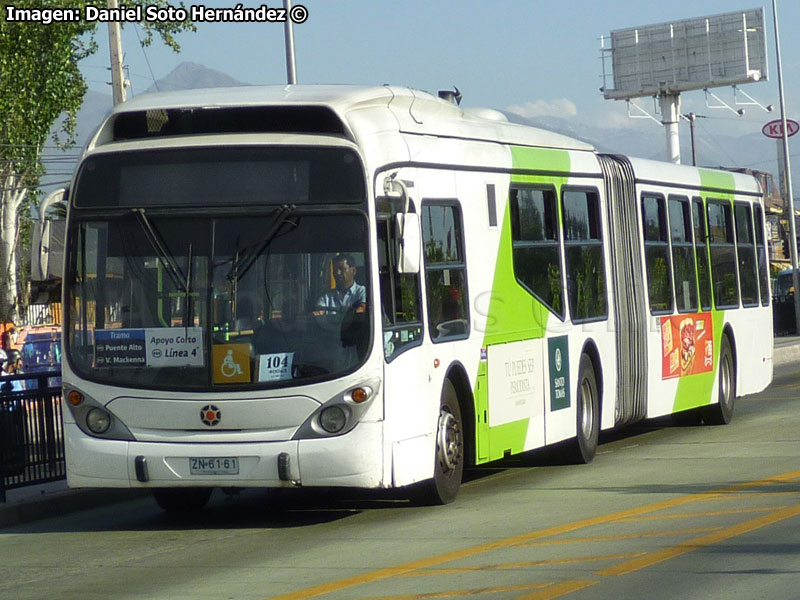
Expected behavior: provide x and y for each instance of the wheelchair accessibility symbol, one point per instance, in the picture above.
(229, 367)
(231, 363)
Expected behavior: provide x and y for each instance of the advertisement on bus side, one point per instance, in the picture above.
(687, 344)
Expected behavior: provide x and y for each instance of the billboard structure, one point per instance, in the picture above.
(666, 59)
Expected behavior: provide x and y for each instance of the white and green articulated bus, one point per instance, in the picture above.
(328, 286)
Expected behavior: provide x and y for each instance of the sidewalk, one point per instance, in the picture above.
(35, 502)
(786, 350)
(53, 499)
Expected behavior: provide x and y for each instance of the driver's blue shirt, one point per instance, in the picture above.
(336, 300)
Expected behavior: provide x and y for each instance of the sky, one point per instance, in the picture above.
(533, 57)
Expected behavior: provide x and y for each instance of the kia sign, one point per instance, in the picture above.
(774, 129)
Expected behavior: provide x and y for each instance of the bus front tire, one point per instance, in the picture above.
(177, 500)
(449, 459)
(588, 414)
(721, 413)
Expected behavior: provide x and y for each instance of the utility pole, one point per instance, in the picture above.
(789, 198)
(115, 49)
(691, 117)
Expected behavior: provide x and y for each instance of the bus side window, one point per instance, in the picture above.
(445, 270)
(683, 269)
(746, 254)
(701, 253)
(761, 249)
(583, 248)
(722, 250)
(534, 234)
(656, 249)
(401, 318)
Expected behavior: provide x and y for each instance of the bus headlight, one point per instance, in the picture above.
(98, 420)
(342, 411)
(93, 418)
(332, 419)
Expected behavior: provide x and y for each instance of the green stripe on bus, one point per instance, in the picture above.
(695, 390)
(514, 314)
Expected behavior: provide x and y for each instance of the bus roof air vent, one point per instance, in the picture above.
(453, 96)
(167, 122)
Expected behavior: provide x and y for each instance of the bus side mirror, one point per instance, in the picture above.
(47, 245)
(408, 243)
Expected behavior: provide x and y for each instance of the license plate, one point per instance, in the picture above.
(214, 466)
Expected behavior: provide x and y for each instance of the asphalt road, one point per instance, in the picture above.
(664, 511)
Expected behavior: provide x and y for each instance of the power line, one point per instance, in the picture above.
(146, 59)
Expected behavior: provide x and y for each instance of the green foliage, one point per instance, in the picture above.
(40, 81)
(554, 282)
(409, 309)
(590, 283)
(658, 280)
(40, 84)
(730, 291)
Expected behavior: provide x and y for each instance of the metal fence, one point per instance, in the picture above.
(31, 432)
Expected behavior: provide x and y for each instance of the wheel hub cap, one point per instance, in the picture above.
(448, 442)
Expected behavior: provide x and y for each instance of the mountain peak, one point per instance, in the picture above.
(190, 75)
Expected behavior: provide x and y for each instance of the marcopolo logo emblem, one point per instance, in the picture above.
(210, 415)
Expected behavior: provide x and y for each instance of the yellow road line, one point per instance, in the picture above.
(523, 565)
(619, 536)
(709, 513)
(559, 589)
(653, 558)
(462, 593)
(394, 571)
(739, 494)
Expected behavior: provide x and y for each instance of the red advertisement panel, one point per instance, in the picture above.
(687, 345)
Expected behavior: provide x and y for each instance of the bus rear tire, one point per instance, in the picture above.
(449, 460)
(721, 413)
(177, 500)
(588, 414)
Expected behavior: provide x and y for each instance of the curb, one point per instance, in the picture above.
(786, 354)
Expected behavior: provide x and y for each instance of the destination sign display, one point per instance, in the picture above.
(150, 346)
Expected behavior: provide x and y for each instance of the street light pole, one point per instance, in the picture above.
(291, 67)
(789, 197)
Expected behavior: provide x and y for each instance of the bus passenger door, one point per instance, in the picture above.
(405, 382)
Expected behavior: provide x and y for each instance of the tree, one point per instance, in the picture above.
(40, 83)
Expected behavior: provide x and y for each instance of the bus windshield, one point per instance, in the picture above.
(176, 299)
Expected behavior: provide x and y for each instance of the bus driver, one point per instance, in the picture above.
(347, 294)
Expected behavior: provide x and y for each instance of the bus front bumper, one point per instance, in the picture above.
(351, 460)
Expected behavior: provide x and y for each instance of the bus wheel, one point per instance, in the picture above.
(588, 414)
(182, 499)
(722, 412)
(449, 463)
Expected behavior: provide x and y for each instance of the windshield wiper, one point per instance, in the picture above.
(173, 270)
(243, 262)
